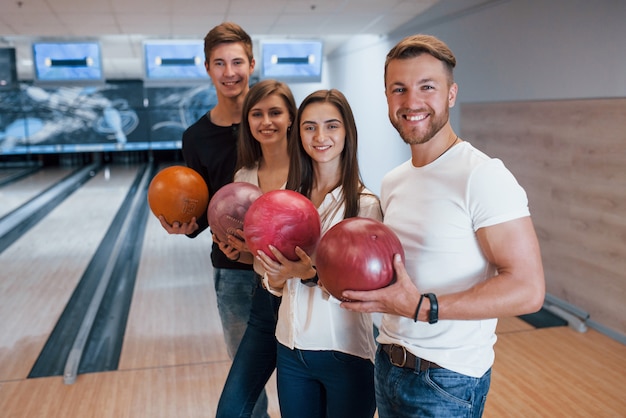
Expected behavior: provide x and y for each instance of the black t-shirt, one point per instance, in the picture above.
(211, 150)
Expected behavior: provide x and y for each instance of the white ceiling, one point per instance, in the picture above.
(122, 25)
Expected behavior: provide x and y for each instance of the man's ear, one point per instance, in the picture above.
(454, 89)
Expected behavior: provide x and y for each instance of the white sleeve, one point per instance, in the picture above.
(495, 196)
(269, 288)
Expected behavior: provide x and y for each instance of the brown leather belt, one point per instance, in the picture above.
(400, 357)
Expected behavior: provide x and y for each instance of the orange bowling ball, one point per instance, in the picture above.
(178, 193)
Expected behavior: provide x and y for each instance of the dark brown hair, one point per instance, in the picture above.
(301, 164)
(248, 149)
(227, 32)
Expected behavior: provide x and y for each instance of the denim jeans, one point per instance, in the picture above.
(234, 290)
(322, 384)
(440, 393)
(254, 362)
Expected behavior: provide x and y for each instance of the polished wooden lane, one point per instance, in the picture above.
(173, 318)
(549, 372)
(558, 372)
(16, 193)
(174, 321)
(173, 361)
(41, 269)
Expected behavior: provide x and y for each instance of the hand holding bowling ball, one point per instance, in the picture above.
(357, 254)
(228, 208)
(179, 194)
(284, 219)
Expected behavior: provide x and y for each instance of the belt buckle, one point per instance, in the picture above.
(391, 351)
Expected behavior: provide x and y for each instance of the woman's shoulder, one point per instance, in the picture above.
(248, 175)
(369, 205)
(368, 197)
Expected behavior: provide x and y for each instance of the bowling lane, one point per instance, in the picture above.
(174, 326)
(173, 318)
(21, 191)
(41, 269)
(7, 173)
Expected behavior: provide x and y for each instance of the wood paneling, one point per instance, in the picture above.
(570, 156)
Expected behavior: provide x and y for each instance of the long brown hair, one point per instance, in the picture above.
(301, 164)
(248, 148)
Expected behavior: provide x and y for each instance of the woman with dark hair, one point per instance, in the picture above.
(325, 353)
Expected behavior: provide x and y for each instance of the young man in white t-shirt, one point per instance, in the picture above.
(471, 250)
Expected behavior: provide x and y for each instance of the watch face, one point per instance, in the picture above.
(310, 282)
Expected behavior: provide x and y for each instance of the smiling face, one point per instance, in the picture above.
(419, 97)
(269, 120)
(322, 132)
(230, 69)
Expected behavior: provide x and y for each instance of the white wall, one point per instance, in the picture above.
(357, 70)
(506, 50)
(537, 49)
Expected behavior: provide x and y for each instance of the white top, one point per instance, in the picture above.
(248, 175)
(308, 319)
(436, 210)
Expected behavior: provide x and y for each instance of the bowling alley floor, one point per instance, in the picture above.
(173, 361)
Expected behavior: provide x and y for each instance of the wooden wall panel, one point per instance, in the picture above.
(570, 156)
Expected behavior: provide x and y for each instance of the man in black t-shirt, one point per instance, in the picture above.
(210, 148)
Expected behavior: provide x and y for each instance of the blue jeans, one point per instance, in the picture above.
(440, 393)
(254, 362)
(324, 384)
(235, 290)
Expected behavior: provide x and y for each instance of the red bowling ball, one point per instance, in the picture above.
(357, 254)
(228, 207)
(284, 219)
(178, 193)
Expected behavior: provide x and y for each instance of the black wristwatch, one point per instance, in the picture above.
(312, 282)
(433, 315)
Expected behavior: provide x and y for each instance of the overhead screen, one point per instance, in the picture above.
(174, 61)
(69, 107)
(292, 61)
(8, 69)
(67, 62)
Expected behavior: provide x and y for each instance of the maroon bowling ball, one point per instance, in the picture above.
(228, 208)
(178, 193)
(357, 254)
(284, 219)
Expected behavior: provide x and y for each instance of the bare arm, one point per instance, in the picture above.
(517, 289)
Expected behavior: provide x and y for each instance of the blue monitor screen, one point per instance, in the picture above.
(292, 60)
(8, 69)
(67, 61)
(175, 60)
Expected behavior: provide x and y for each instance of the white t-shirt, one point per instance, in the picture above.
(436, 210)
(308, 319)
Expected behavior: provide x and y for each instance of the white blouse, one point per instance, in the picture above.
(308, 318)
